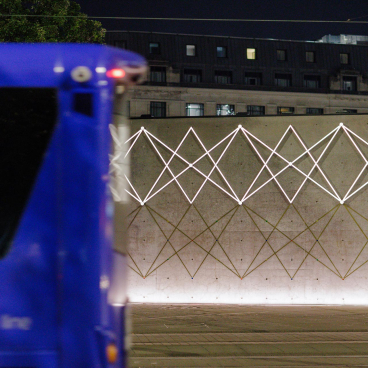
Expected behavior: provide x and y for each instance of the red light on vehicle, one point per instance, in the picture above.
(116, 73)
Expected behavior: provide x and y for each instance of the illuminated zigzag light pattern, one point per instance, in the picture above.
(166, 244)
(251, 190)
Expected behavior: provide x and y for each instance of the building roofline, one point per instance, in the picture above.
(229, 37)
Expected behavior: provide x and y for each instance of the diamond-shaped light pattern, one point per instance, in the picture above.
(196, 212)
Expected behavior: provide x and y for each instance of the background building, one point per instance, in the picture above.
(193, 75)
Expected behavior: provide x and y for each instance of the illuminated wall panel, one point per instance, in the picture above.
(249, 210)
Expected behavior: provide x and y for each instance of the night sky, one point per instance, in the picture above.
(259, 9)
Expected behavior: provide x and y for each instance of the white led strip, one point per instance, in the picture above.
(250, 138)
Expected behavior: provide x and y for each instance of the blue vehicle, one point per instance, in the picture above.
(61, 302)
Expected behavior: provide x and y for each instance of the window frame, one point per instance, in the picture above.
(251, 55)
(278, 53)
(289, 79)
(200, 108)
(163, 73)
(279, 112)
(256, 110)
(256, 76)
(314, 111)
(342, 54)
(310, 56)
(198, 75)
(161, 108)
(224, 49)
(219, 109)
(194, 48)
(219, 74)
(309, 78)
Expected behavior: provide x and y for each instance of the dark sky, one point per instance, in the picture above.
(257, 9)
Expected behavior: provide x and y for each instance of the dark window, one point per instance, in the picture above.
(158, 74)
(221, 52)
(154, 48)
(251, 54)
(281, 55)
(225, 109)
(192, 76)
(253, 79)
(255, 110)
(120, 43)
(314, 111)
(194, 109)
(283, 80)
(310, 56)
(312, 81)
(349, 83)
(27, 119)
(344, 59)
(83, 103)
(223, 77)
(158, 109)
(285, 110)
(190, 50)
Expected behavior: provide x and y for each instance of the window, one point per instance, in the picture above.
(347, 111)
(28, 117)
(251, 54)
(158, 109)
(154, 48)
(255, 110)
(190, 50)
(349, 83)
(344, 59)
(221, 52)
(225, 110)
(192, 76)
(314, 111)
(281, 55)
(120, 43)
(194, 109)
(312, 81)
(253, 79)
(310, 56)
(285, 110)
(283, 80)
(158, 74)
(223, 77)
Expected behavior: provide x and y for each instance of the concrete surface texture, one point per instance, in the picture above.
(265, 210)
(248, 336)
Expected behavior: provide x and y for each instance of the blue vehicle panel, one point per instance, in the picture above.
(57, 269)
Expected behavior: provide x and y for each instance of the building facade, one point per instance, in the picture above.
(194, 75)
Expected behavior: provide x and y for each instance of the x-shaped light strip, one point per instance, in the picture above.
(249, 136)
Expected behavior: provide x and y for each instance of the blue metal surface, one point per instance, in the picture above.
(54, 310)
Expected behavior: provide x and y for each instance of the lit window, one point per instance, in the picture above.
(158, 74)
(310, 56)
(192, 76)
(191, 50)
(347, 111)
(223, 77)
(312, 81)
(253, 79)
(349, 84)
(221, 52)
(344, 58)
(281, 55)
(285, 110)
(194, 109)
(251, 54)
(225, 110)
(158, 109)
(154, 48)
(314, 111)
(255, 110)
(282, 80)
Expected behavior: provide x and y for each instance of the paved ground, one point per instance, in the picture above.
(248, 336)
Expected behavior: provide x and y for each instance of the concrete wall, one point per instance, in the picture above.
(177, 97)
(271, 248)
